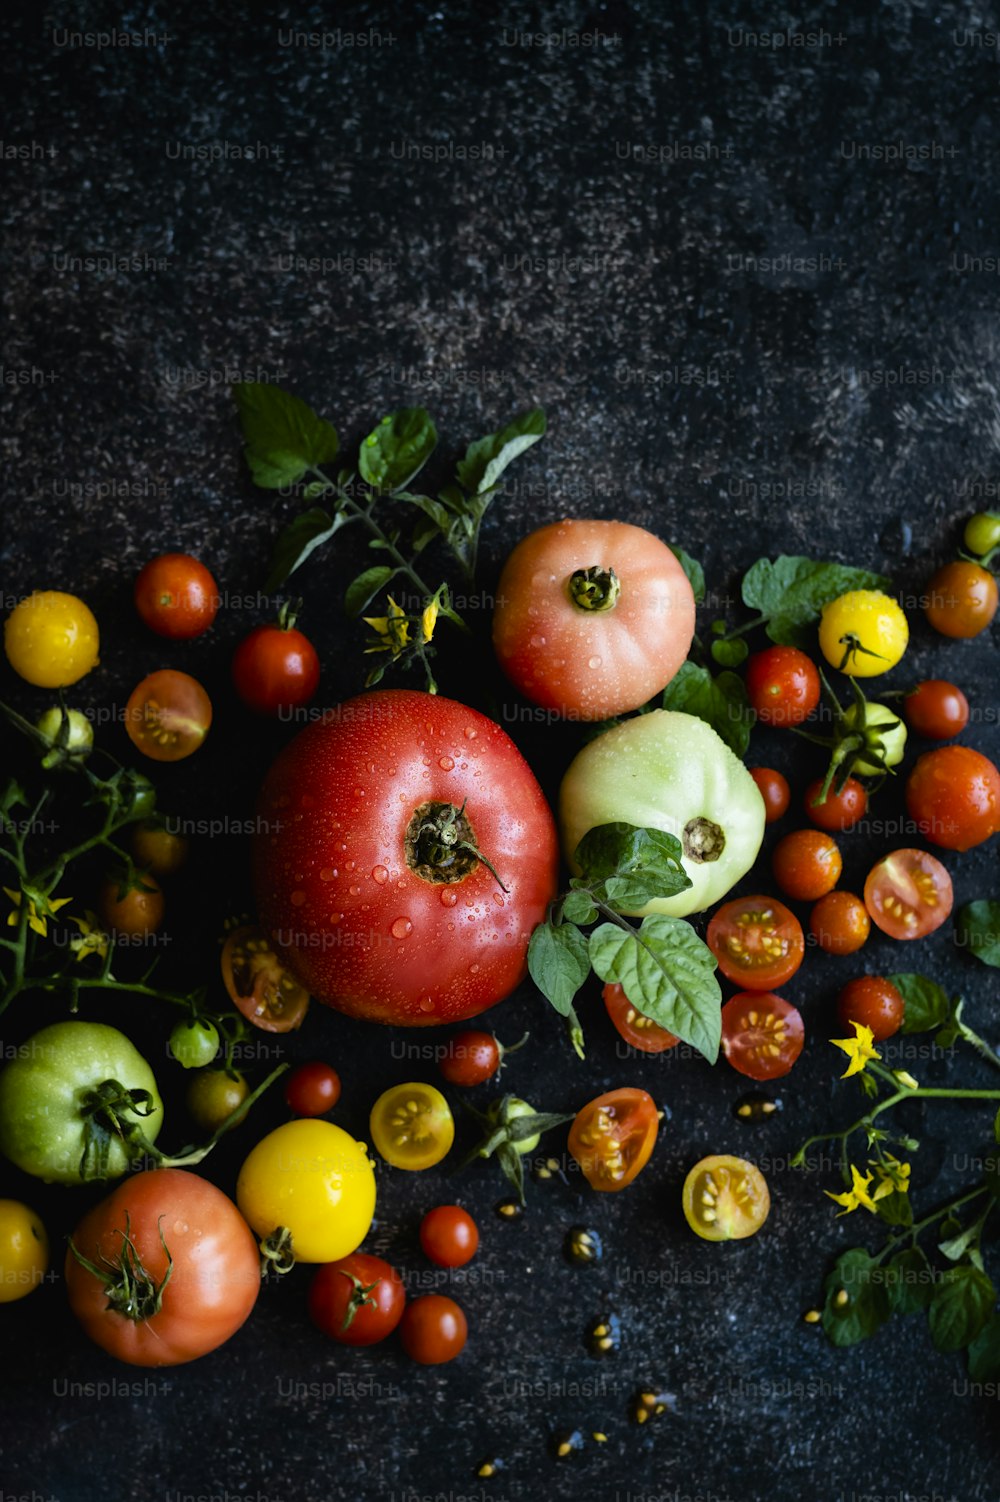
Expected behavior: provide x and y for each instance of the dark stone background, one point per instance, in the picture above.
(836, 408)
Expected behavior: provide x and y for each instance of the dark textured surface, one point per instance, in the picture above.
(591, 257)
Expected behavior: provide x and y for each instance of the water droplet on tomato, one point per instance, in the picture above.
(445, 763)
(328, 873)
(298, 898)
(427, 1003)
(335, 917)
(340, 845)
(354, 891)
(181, 1227)
(349, 865)
(473, 969)
(593, 662)
(498, 898)
(470, 733)
(380, 874)
(448, 897)
(401, 928)
(541, 576)
(536, 641)
(359, 792)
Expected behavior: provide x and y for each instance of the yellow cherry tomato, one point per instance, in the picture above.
(863, 633)
(412, 1126)
(24, 1251)
(314, 1179)
(51, 639)
(725, 1199)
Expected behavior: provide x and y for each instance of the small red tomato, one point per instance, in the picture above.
(937, 709)
(840, 923)
(176, 596)
(762, 1034)
(131, 912)
(783, 686)
(312, 1089)
(774, 790)
(953, 796)
(838, 811)
(806, 864)
(961, 600)
(358, 1300)
(433, 1329)
(470, 1058)
(874, 1002)
(909, 894)
(275, 668)
(449, 1236)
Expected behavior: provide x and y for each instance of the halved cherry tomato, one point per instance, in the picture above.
(806, 864)
(909, 894)
(725, 1199)
(838, 810)
(937, 709)
(168, 715)
(783, 685)
(840, 923)
(449, 1236)
(953, 795)
(757, 942)
(774, 790)
(433, 1329)
(961, 600)
(412, 1126)
(176, 596)
(762, 1034)
(638, 1031)
(874, 1002)
(613, 1136)
(357, 1300)
(265, 992)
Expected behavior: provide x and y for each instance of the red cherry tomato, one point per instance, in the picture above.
(783, 685)
(839, 923)
(168, 715)
(312, 1089)
(757, 941)
(259, 985)
(961, 600)
(937, 709)
(613, 1137)
(953, 796)
(275, 668)
(806, 864)
(380, 910)
(358, 1300)
(874, 1002)
(838, 811)
(908, 894)
(592, 617)
(762, 1034)
(470, 1058)
(638, 1031)
(176, 596)
(433, 1329)
(449, 1236)
(774, 790)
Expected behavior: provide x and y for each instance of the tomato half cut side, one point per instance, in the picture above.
(762, 1035)
(613, 1137)
(637, 1030)
(909, 894)
(757, 941)
(725, 1198)
(168, 715)
(259, 985)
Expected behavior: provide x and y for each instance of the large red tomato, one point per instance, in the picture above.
(366, 868)
(592, 617)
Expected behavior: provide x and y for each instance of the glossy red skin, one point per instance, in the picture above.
(470, 1058)
(937, 709)
(774, 790)
(312, 1089)
(758, 972)
(648, 1037)
(275, 668)
(759, 1064)
(961, 600)
(875, 1003)
(458, 957)
(433, 1329)
(806, 864)
(330, 1294)
(838, 811)
(216, 1273)
(449, 1236)
(783, 685)
(953, 796)
(176, 596)
(545, 643)
(839, 923)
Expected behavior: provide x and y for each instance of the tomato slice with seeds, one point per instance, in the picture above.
(757, 941)
(638, 1031)
(762, 1035)
(259, 984)
(909, 894)
(412, 1126)
(168, 715)
(613, 1137)
(725, 1198)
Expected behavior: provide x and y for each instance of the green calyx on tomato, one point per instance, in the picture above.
(512, 1129)
(69, 734)
(131, 1290)
(594, 588)
(441, 844)
(868, 740)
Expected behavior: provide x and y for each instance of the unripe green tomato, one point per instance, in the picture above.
(880, 725)
(194, 1044)
(80, 739)
(982, 533)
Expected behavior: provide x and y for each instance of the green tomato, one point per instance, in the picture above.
(521, 1108)
(982, 533)
(194, 1044)
(213, 1096)
(43, 1123)
(670, 771)
(884, 730)
(79, 735)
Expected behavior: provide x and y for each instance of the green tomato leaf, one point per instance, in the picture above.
(925, 1002)
(910, 1281)
(487, 458)
(577, 904)
(791, 592)
(667, 973)
(695, 573)
(297, 540)
(365, 587)
(867, 1305)
(721, 702)
(13, 796)
(731, 652)
(397, 449)
(984, 1352)
(895, 1209)
(996, 1127)
(977, 928)
(284, 437)
(559, 963)
(963, 1303)
(622, 854)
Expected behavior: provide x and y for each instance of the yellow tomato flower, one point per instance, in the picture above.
(429, 620)
(856, 1196)
(37, 915)
(393, 629)
(92, 940)
(893, 1176)
(859, 1050)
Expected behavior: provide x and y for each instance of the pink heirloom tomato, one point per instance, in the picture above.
(592, 617)
(405, 854)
